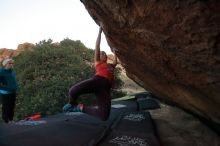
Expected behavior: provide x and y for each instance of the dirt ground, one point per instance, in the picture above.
(178, 128)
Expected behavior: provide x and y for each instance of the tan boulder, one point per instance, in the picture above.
(170, 47)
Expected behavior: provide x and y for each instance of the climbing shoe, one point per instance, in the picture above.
(74, 109)
(67, 107)
(70, 108)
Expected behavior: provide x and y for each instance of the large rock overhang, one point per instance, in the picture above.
(170, 47)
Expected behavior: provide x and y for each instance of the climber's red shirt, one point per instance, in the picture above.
(105, 70)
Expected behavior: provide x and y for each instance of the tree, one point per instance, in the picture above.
(45, 75)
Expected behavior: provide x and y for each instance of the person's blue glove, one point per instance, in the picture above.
(67, 107)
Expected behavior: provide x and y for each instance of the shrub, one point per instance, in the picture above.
(46, 74)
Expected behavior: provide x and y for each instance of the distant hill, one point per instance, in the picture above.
(6, 53)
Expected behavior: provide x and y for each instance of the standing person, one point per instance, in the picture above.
(8, 87)
(100, 85)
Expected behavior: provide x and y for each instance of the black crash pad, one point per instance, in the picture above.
(147, 103)
(132, 129)
(60, 130)
(79, 129)
(74, 129)
(118, 138)
(139, 122)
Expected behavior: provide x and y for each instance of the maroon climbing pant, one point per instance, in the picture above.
(101, 87)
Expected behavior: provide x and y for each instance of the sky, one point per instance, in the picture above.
(35, 20)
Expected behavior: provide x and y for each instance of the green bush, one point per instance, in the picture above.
(46, 74)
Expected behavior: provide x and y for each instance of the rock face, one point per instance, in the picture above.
(170, 47)
(25, 47)
(5, 53)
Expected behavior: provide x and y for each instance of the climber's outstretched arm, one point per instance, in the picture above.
(97, 47)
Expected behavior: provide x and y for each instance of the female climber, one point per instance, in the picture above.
(100, 84)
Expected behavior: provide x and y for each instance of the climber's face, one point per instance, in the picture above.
(103, 56)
